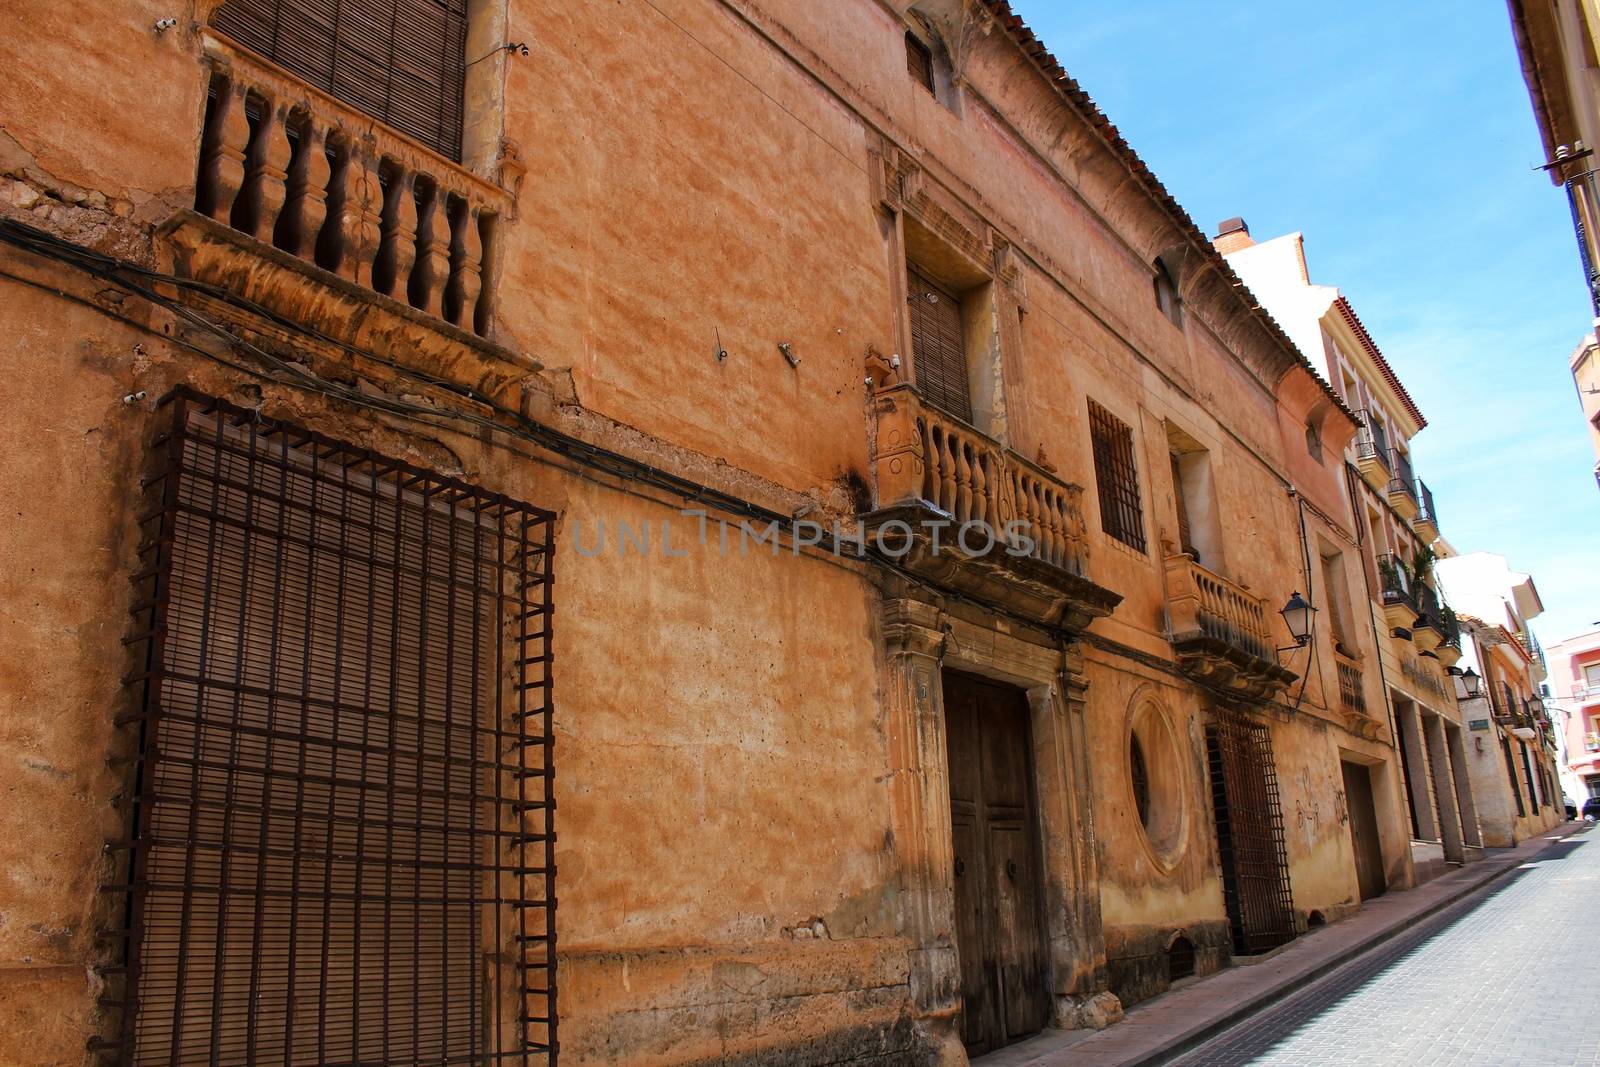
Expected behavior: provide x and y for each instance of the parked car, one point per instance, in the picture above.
(1591, 809)
(1570, 808)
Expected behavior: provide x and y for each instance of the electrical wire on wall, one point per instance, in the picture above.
(580, 458)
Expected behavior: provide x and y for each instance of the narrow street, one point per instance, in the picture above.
(1497, 979)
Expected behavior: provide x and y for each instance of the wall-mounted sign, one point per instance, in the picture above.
(1477, 724)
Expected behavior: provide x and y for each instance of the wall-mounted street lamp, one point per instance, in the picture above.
(1471, 684)
(1297, 617)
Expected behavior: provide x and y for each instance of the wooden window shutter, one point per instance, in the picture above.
(1331, 595)
(937, 348)
(919, 62)
(400, 61)
(1185, 541)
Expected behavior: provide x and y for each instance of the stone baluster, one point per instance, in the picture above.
(947, 470)
(267, 174)
(432, 271)
(980, 486)
(397, 244)
(227, 137)
(931, 464)
(997, 484)
(306, 208)
(368, 235)
(467, 278)
(963, 499)
(1052, 521)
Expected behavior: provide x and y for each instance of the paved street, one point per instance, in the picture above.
(1505, 978)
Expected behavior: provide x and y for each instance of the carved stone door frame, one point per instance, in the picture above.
(921, 640)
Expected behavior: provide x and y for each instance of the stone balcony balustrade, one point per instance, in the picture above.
(976, 517)
(1220, 631)
(329, 219)
(298, 169)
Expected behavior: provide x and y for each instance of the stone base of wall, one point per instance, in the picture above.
(1136, 956)
(788, 1004)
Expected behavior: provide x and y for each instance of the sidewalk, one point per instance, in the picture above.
(1167, 1026)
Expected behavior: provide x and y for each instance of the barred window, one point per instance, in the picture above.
(342, 847)
(1116, 477)
(401, 61)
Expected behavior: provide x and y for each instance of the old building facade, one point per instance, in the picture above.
(1575, 696)
(1512, 759)
(915, 486)
(1397, 524)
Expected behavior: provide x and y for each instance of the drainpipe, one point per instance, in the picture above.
(1591, 276)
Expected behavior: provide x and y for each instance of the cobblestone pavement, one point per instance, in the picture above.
(1510, 977)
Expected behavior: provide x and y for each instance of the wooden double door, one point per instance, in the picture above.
(998, 884)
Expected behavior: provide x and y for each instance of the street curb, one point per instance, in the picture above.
(1265, 999)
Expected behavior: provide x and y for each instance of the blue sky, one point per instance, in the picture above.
(1399, 138)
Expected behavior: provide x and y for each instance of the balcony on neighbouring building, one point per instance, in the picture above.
(1372, 452)
(313, 210)
(1026, 546)
(1427, 521)
(1448, 651)
(1585, 694)
(1399, 599)
(1427, 629)
(1220, 630)
(1402, 487)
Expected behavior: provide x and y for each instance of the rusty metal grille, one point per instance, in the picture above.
(1250, 841)
(342, 838)
(1117, 477)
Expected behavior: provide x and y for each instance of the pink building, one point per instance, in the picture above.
(1575, 692)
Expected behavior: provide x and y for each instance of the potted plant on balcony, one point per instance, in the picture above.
(1398, 608)
(1449, 650)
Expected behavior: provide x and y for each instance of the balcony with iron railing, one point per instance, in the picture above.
(1585, 694)
(1402, 487)
(311, 209)
(1427, 521)
(1372, 452)
(1220, 630)
(1448, 650)
(976, 516)
(1395, 587)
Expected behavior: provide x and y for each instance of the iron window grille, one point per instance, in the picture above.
(1116, 477)
(341, 847)
(1250, 836)
(401, 61)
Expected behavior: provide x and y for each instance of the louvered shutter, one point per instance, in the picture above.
(937, 349)
(400, 61)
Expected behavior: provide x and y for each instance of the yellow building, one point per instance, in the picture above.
(1417, 638)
